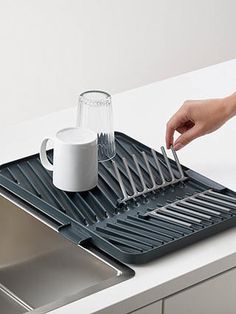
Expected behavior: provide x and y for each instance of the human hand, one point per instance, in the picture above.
(199, 117)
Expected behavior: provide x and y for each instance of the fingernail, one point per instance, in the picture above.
(178, 146)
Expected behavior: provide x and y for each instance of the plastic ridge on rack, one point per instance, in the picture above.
(135, 193)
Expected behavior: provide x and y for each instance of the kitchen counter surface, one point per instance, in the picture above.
(142, 113)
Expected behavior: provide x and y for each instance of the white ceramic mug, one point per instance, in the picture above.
(75, 159)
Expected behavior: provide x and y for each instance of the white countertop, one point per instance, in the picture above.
(142, 113)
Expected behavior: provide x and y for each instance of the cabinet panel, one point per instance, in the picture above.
(154, 308)
(213, 296)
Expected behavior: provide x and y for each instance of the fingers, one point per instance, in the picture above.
(169, 135)
(175, 123)
(187, 137)
(182, 129)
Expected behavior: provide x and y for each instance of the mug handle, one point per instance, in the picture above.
(43, 155)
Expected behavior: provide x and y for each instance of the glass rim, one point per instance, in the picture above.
(95, 91)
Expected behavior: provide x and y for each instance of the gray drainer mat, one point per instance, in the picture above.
(136, 231)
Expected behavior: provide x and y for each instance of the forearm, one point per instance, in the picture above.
(230, 103)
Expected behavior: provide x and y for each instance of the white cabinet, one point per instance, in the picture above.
(213, 296)
(154, 308)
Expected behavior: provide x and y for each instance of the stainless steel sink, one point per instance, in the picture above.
(40, 270)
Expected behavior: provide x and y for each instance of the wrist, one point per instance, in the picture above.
(230, 104)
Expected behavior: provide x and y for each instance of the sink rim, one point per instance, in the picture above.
(123, 272)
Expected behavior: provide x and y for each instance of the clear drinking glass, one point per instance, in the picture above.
(95, 113)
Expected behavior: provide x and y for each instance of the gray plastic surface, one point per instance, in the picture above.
(122, 230)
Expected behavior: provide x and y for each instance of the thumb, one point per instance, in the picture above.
(187, 137)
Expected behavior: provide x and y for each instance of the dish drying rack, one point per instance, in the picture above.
(144, 206)
(155, 186)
